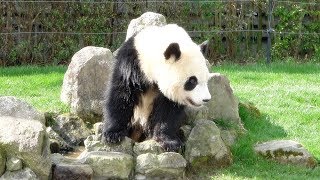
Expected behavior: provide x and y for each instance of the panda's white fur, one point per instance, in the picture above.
(170, 75)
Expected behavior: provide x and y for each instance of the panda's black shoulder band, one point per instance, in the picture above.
(172, 49)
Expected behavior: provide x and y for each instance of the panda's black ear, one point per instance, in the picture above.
(204, 47)
(172, 49)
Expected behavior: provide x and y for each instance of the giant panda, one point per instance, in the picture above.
(157, 73)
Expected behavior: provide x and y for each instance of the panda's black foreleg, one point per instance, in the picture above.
(118, 113)
(165, 121)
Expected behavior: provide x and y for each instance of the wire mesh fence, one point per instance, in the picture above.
(50, 32)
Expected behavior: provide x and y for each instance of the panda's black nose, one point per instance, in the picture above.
(206, 100)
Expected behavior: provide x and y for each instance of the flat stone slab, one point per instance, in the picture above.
(168, 165)
(109, 165)
(286, 152)
(148, 146)
(71, 169)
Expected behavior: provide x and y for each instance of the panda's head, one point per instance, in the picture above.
(184, 76)
(169, 58)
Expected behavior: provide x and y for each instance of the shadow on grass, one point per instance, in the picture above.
(31, 70)
(247, 164)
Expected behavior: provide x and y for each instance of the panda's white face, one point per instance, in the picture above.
(170, 59)
(184, 79)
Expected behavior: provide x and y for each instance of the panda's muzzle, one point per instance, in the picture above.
(193, 103)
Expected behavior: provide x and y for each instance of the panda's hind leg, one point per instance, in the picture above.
(164, 123)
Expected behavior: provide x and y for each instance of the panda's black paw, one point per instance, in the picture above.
(170, 145)
(113, 137)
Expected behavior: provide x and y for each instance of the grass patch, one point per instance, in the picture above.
(39, 86)
(284, 104)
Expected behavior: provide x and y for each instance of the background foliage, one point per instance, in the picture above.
(59, 29)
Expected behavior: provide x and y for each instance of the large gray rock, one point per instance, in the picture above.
(2, 162)
(71, 128)
(23, 174)
(204, 147)
(85, 82)
(109, 165)
(286, 152)
(168, 165)
(146, 19)
(13, 164)
(223, 105)
(69, 169)
(11, 106)
(28, 141)
(93, 143)
(148, 146)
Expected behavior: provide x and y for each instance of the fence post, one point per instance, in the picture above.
(269, 31)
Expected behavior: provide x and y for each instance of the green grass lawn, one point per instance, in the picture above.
(288, 97)
(40, 86)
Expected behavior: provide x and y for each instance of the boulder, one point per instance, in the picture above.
(85, 82)
(109, 165)
(13, 164)
(2, 162)
(23, 174)
(70, 169)
(168, 165)
(71, 128)
(28, 141)
(204, 147)
(286, 152)
(93, 143)
(146, 19)
(223, 105)
(148, 146)
(11, 106)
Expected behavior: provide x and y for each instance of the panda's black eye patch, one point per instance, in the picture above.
(191, 83)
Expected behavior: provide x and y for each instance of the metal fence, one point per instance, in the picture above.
(50, 32)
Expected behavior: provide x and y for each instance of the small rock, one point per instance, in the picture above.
(54, 146)
(97, 127)
(146, 19)
(92, 143)
(13, 164)
(11, 106)
(168, 165)
(70, 169)
(71, 128)
(2, 163)
(204, 147)
(148, 146)
(109, 165)
(23, 174)
(28, 140)
(286, 152)
(85, 82)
